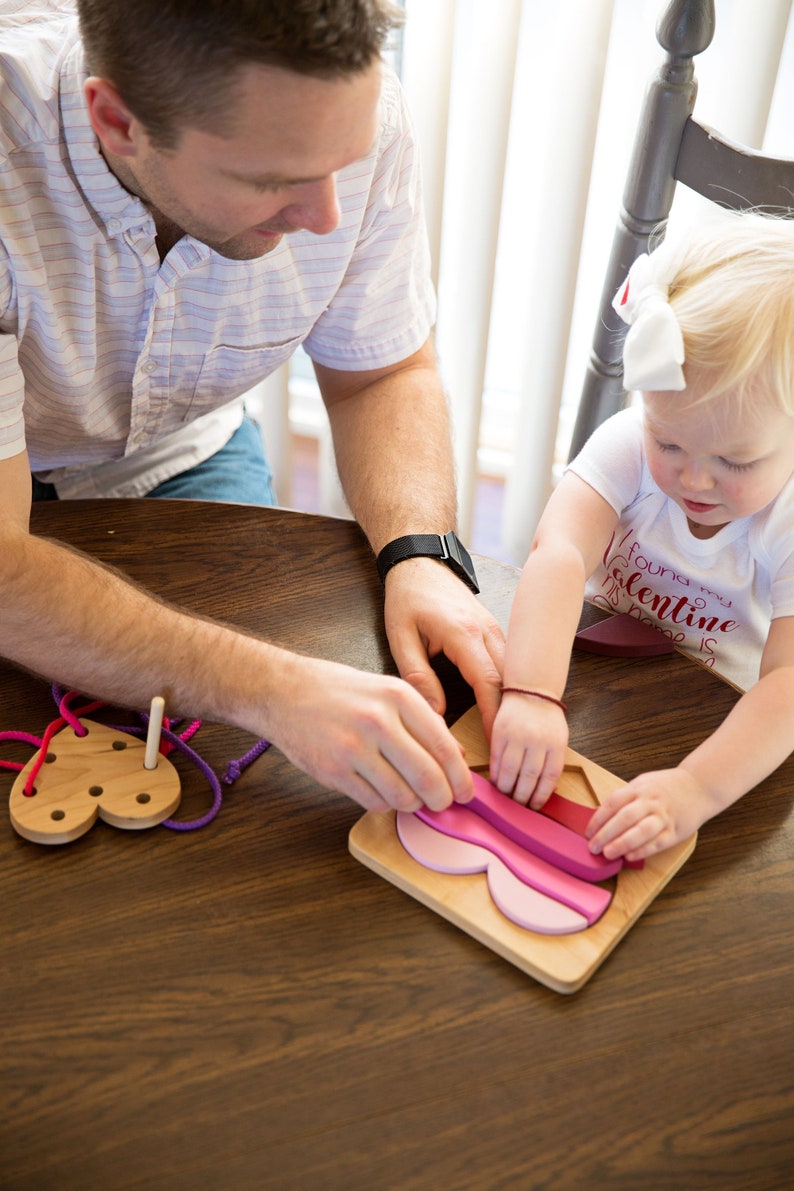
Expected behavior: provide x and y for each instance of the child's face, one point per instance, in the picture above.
(716, 466)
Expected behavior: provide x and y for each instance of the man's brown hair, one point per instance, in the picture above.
(174, 62)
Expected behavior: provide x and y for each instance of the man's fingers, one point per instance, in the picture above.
(426, 682)
(429, 612)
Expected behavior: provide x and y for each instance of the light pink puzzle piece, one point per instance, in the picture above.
(519, 902)
(460, 822)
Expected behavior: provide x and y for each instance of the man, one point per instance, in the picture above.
(191, 189)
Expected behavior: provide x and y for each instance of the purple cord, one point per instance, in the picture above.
(233, 771)
(201, 764)
(235, 768)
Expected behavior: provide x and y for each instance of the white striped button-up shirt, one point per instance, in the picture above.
(118, 371)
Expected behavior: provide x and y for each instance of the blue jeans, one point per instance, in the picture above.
(237, 473)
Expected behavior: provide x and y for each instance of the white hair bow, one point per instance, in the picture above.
(654, 349)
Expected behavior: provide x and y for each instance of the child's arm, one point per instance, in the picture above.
(530, 734)
(660, 809)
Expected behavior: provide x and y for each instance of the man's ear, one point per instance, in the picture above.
(112, 121)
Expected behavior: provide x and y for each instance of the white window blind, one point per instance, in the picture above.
(526, 114)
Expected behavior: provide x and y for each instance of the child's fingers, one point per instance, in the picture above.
(637, 842)
(505, 766)
(547, 782)
(609, 807)
(625, 824)
(535, 782)
(525, 773)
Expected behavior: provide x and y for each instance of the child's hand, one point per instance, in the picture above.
(650, 814)
(528, 748)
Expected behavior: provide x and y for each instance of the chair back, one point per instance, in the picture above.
(671, 147)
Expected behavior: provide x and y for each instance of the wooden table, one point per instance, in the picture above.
(247, 1007)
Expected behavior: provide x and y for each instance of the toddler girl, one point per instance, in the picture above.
(679, 511)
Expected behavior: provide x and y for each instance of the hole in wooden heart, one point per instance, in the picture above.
(142, 798)
(95, 791)
(58, 815)
(48, 760)
(118, 745)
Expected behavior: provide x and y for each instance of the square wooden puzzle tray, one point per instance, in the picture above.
(562, 962)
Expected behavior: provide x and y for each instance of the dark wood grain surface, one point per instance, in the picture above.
(247, 1007)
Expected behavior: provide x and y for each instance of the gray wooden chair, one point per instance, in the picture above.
(671, 147)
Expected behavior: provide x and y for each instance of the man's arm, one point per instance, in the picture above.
(394, 455)
(84, 625)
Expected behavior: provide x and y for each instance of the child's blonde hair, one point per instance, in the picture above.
(733, 296)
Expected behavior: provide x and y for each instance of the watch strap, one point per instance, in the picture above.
(447, 548)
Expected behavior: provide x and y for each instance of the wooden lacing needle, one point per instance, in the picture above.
(153, 734)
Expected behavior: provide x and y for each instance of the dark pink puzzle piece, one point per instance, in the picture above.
(623, 636)
(458, 821)
(570, 814)
(539, 834)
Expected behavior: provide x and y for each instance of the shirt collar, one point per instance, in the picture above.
(113, 204)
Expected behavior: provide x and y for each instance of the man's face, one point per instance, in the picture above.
(273, 174)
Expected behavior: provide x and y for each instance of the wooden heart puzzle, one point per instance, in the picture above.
(563, 962)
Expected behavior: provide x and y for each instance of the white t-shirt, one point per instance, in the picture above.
(118, 371)
(715, 597)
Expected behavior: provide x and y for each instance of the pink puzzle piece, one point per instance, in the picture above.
(524, 906)
(569, 813)
(462, 823)
(539, 834)
(623, 636)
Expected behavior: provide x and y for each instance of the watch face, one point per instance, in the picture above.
(459, 560)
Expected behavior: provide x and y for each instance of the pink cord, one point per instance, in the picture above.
(66, 717)
(26, 738)
(29, 788)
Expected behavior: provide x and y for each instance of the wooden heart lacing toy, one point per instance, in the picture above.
(84, 770)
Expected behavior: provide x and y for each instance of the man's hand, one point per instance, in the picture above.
(368, 736)
(429, 611)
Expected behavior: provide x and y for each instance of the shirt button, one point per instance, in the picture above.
(149, 367)
(114, 225)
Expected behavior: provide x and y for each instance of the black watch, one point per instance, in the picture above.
(447, 548)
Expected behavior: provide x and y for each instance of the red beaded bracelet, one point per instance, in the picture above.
(517, 690)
